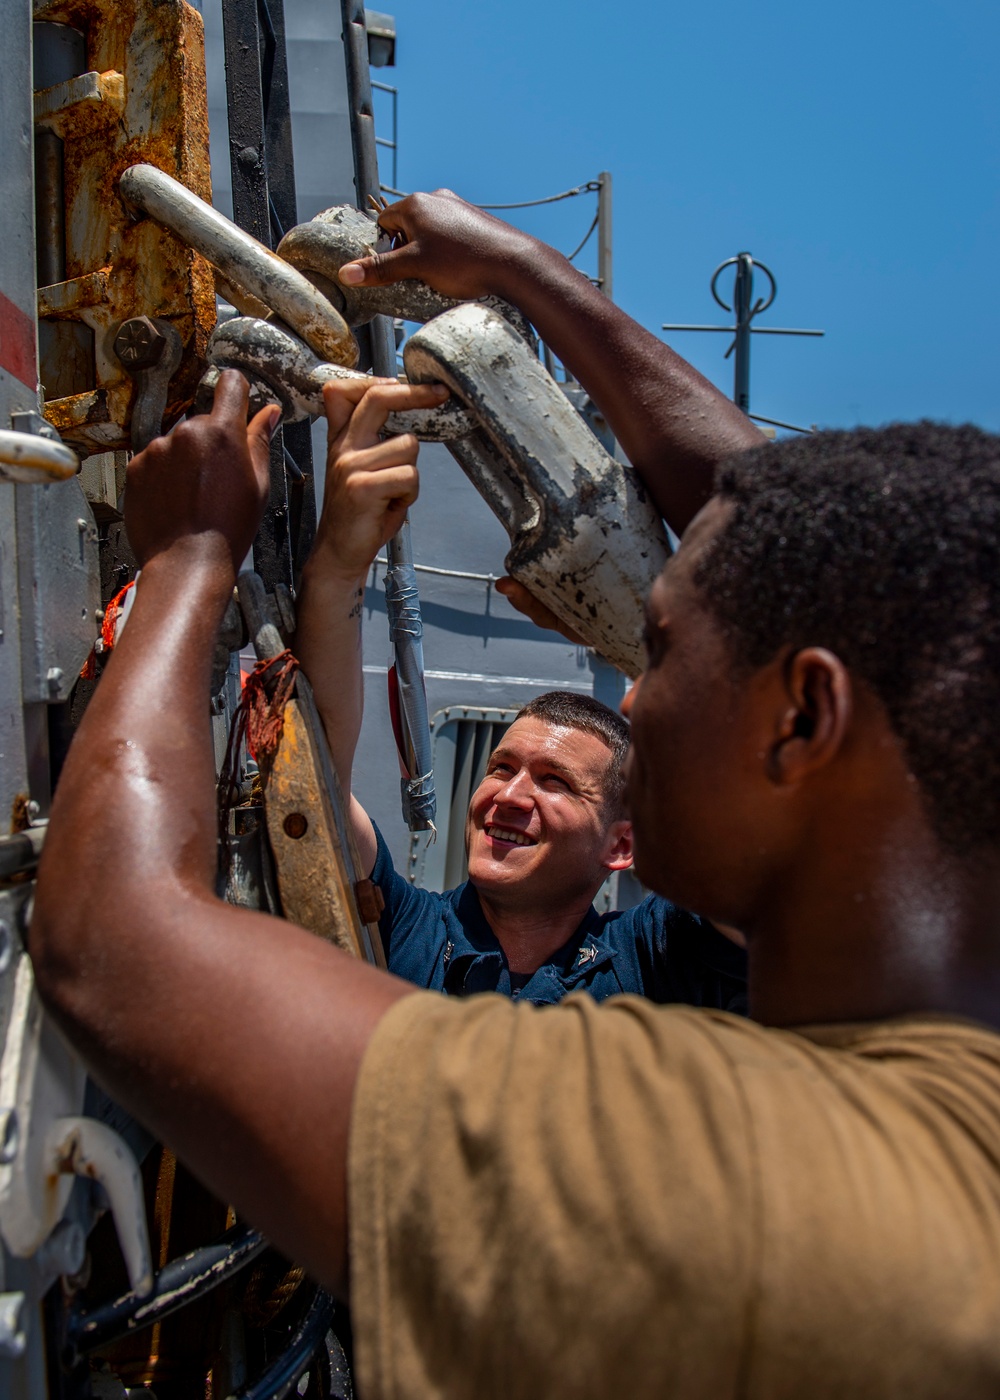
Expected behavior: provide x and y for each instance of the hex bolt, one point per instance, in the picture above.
(9, 1134)
(54, 677)
(6, 946)
(139, 344)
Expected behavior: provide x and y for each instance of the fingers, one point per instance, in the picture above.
(341, 397)
(260, 431)
(390, 487)
(381, 269)
(232, 397)
(520, 598)
(374, 408)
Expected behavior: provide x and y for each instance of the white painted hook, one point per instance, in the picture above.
(85, 1147)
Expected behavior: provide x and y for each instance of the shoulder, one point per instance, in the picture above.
(680, 956)
(702, 1161)
(412, 924)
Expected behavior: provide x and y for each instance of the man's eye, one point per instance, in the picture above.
(654, 639)
(554, 780)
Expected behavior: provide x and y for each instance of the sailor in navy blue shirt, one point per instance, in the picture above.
(546, 824)
(444, 941)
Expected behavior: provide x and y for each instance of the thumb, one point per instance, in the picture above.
(381, 269)
(260, 430)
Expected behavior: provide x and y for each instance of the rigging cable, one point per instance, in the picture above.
(590, 187)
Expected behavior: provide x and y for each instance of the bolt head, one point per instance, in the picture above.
(54, 677)
(139, 343)
(248, 158)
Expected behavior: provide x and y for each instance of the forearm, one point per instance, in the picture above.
(674, 426)
(139, 776)
(206, 1021)
(328, 644)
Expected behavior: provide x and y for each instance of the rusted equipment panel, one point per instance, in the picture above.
(124, 82)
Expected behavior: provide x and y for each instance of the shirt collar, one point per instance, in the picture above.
(474, 955)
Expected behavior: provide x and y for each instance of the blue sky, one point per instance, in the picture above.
(854, 148)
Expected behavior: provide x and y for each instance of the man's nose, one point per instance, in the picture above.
(516, 791)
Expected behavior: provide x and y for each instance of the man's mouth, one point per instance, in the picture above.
(516, 838)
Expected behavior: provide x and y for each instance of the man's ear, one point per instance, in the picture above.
(618, 846)
(819, 707)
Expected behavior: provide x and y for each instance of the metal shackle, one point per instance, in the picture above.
(585, 538)
(290, 374)
(242, 260)
(343, 234)
(29, 457)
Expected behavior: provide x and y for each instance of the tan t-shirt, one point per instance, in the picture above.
(631, 1200)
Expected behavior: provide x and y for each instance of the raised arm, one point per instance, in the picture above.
(674, 426)
(153, 978)
(370, 485)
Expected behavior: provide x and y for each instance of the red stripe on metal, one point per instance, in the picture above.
(17, 343)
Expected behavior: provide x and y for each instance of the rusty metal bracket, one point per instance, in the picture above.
(140, 97)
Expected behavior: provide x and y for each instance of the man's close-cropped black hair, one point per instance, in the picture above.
(576, 711)
(884, 546)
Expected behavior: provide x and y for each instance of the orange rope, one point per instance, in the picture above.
(111, 615)
(260, 720)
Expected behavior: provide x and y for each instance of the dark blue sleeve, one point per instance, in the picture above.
(685, 958)
(412, 924)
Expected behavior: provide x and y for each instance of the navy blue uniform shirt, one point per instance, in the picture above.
(655, 950)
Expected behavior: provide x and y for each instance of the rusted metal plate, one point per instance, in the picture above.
(315, 867)
(144, 99)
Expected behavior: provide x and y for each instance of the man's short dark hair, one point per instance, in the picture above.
(575, 711)
(884, 546)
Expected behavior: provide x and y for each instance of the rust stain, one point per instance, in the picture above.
(157, 49)
(19, 818)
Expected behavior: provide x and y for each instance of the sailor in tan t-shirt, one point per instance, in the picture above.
(620, 1199)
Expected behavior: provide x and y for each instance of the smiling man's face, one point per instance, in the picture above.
(538, 827)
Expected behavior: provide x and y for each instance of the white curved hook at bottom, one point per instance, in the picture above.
(86, 1147)
(27, 457)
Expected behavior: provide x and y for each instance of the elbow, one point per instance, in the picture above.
(53, 944)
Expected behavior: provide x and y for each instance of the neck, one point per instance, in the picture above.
(530, 936)
(884, 924)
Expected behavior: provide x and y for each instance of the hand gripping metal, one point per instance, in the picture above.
(585, 538)
(343, 234)
(287, 372)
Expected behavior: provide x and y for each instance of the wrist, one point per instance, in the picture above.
(204, 557)
(325, 573)
(514, 268)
